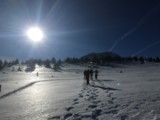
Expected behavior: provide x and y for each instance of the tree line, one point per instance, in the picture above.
(55, 64)
(48, 63)
(108, 59)
(5, 63)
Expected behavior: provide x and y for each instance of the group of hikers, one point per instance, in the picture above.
(88, 74)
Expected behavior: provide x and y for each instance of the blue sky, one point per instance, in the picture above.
(74, 28)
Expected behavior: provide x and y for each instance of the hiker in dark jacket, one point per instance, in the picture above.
(87, 76)
(96, 74)
(91, 74)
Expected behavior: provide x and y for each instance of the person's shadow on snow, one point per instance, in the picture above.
(102, 86)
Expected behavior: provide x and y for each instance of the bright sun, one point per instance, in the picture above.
(35, 34)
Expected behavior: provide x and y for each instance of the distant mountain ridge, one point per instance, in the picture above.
(100, 55)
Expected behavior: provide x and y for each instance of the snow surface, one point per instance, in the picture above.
(124, 92)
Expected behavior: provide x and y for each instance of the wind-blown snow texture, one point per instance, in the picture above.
(125, 92)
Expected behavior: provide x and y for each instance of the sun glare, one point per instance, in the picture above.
(35, 34)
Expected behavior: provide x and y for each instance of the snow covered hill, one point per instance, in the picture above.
(129, 92)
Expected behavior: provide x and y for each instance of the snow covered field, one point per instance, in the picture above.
(125, 92)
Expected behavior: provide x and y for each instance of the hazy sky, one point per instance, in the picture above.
(77, 27)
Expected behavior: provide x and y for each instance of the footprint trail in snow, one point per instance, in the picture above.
(90, 97)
